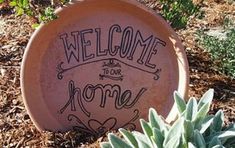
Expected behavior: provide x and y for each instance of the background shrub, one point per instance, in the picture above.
(178, 11)
(222, 50)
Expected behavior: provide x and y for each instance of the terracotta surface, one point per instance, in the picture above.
(101, 65)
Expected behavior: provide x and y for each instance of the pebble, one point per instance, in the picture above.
(3, 72)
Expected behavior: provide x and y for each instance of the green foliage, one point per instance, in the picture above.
(47, 15)
(64, 1)
(178, 11)
(42, 14)
(194, 128)
(222, 51)
(21, 7)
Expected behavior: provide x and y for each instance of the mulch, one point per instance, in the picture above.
(16, 128)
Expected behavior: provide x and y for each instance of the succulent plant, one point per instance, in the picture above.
(194, 128)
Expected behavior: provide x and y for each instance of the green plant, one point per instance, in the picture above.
(21, 6)
(178, 11)
(194, 128)
(42, 14)
(222, 51)
(47, 15)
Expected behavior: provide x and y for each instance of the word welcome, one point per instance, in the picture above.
(120, 43)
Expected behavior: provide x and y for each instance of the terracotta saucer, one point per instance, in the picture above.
(101, 65)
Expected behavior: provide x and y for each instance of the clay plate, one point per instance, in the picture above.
(101, 65)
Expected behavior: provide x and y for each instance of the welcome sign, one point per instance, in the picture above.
(100, 66)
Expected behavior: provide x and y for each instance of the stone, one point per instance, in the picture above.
(100, 66)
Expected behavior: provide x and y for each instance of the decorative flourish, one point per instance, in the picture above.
(111, 70)
(111, 64)
(96, 127)
(130, 125)
(80, 125)
(102, 127)
(120, 78)
(156, 74)
(61, 70)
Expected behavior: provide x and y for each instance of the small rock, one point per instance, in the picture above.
(15, 102)
(6, 46)
(3, 72)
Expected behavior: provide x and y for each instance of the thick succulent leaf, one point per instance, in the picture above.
(218, 146)
(173, 142)
(223, 136)
(167, 127)
(181, 105)
(183, 143)
(188, 130)
(201, 114)
(158, 137)
(156, 121)
(218, 121)
(191, 109)
(117, 142)
(129, 137)
(206, 98)
(153, 118)
(199, 140)
(154, 144)
(229, 143)
(206, 124)
(146, 129)
(190, 145)
(214, 142)
(226, 135)
(142, 140)
(176, 130)
(105, 145)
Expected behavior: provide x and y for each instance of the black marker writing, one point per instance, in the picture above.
(123, 99)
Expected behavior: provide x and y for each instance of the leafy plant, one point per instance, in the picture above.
(21, 6)
(194, 128)
(222, 50)
(47, 15)
(42, 14)
(178, 11)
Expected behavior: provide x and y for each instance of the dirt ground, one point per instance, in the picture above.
(16, 128)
